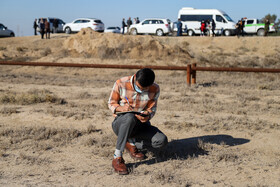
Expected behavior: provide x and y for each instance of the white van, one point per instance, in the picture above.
(191, 19)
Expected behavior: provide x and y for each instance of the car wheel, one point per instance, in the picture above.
(12, 35)
(68, 30)
(260, 32)
(159, 32)
(190, 32)
(134, 31)
(227, 33)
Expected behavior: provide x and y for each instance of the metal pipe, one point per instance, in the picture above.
(256, 70)
(113, 66)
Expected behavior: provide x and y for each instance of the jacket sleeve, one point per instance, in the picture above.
(152, 104)
(114, 98)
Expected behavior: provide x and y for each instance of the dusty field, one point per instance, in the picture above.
(55, 127)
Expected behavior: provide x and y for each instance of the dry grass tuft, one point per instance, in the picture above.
(31, 97)
(21, 49)
(46, 52)
(9, 110)
(3, 48)
(165, 176)
(42, 138)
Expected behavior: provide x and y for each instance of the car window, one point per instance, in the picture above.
(146, 22)
(2, 27)
(198, 18)
(97, 21)
(160, 21)
(78, 21)
(220, 19)
(250, 21)
(60, 21)
(154, 21)
(86, 21)
(51, 20)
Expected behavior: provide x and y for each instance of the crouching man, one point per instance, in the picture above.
(135, 93)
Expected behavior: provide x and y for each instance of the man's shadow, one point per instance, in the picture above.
(189, 147)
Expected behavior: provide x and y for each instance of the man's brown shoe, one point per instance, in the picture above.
(119, 166)
(133, 151)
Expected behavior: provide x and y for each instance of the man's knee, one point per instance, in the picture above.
(159, 140)
(129, 120)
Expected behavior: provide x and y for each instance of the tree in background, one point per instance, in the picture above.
(272, 19)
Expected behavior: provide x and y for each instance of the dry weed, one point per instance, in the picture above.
(165, 176)
(9, 110)
(31, 97)
(42, 138)
(46, 52)
(21, 49)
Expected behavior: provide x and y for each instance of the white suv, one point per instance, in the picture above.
(78, 24)
(156, 26)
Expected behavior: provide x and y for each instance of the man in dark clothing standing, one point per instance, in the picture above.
(42, 28)
(55, 25)
(242, 26)
(123, 25)
(266, 27)
(179, 27)
(35, 26)
(129, 22)
(213, 27)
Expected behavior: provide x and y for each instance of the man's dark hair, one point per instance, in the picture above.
(145, 77)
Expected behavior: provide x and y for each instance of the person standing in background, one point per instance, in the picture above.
(35, 26)
(179, 27)
(42, 28)
(47, 28)
(55, 25)
(213, 24)
(123, 25)
(129, 22)
(266, 27)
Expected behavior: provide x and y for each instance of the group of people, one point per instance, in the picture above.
(240, 27)
(128, 23)
(44, 26)
(206, 26)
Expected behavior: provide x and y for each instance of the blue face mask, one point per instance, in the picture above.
(137, 89)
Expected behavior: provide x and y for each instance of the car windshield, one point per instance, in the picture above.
(97, 21)
(228, 18)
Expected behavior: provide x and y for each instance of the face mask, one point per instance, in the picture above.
(137, 89)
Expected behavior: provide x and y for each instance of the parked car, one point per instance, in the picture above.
(5, 32)
(80, 23)
(156, 26)
(51, 19)
(113, 29)
(192, 18)
(254, 26)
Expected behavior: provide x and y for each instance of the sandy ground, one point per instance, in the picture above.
(55, 127)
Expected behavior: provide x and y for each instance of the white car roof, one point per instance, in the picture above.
(88, 18)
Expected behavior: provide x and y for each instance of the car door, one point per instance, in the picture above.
(77, 25)
(60, 25)
(220, 23)
(143, 27)
(3, 31)
(250, 26)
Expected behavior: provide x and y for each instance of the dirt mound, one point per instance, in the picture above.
(116, 46)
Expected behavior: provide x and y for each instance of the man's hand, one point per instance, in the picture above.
(124, 108)
(145, 118)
